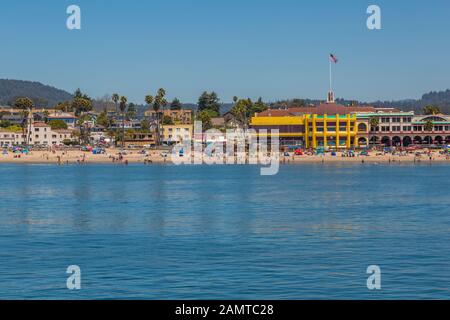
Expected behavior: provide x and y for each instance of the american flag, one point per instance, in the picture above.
(333, 58)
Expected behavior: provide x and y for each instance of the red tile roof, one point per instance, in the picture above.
(275, 113)
(40, 124)
(323, 108)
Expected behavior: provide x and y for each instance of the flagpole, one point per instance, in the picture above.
(331, 84)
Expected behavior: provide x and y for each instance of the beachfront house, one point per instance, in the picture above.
(7, 138)
(177, 133)
(67, 117)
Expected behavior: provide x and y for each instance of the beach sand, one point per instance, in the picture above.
(156, 157)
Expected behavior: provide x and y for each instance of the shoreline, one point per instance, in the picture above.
(155, 157)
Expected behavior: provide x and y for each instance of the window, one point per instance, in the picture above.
(385, 129)
(362, 127)
(396, 120)
(36, 129)
(396, 128)
(407, 119)
(407, 128)
(385, 120)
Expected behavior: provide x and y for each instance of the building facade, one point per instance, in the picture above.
(38, 133)
(68, 117)
(403, 129)
(173, 134)
(183, 116)
(326, 125)
(340, 127)
(7, 138)
(140, 140)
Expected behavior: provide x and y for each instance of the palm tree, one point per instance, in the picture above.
(374, 122)
(115, 98)
(123, 107)
(431, 110)
(428, 125)
(149, 100)
(160, 102)
(26, 105)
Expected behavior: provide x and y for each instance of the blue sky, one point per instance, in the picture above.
(249, 48)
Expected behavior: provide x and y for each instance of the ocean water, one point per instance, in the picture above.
(225, 232)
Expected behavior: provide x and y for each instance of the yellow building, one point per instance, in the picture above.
(312, 127)
(172, 134)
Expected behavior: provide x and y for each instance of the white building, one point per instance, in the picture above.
(40, 134)
(7, 138)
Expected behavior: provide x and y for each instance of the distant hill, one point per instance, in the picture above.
(46, 96)
(440, 99)
(43, 96)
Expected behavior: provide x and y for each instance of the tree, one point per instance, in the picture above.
(258, 106)
(65, 106)
(209, 101)
(123, 107)
(429, 125)
(81, 105)
(115, 98)
(103, 119)
(205, 117)
(241, 109)
(46, 114)
(57, 124)
(158, 102)
(149, 100)
(79, 94)
(131, 112)
(26, 105)
(5, 124)
(431, 110)
(167, 121)
(82, 123)
(145, 125)
(175, 104)
(298, 103)
(244, 109)
(374, 122)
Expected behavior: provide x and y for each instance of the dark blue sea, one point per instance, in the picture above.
(225, 232)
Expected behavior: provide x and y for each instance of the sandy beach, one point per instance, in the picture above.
(157, 157)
